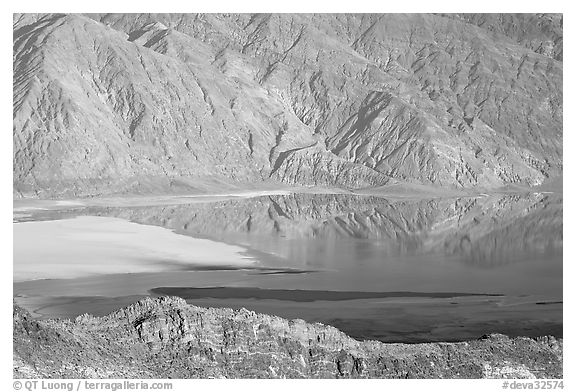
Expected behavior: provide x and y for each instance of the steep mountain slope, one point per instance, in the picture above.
(142, 103)
(166, 338)
(541, 33)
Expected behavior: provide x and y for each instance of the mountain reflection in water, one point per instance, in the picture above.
(482, 231)
(510, 245)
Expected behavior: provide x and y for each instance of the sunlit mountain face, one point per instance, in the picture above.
(165, 103)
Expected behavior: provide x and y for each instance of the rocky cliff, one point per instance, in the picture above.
(166, 338)
(163, 103)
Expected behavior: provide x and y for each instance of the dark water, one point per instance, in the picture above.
(394, 270)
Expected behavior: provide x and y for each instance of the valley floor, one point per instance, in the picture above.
(91, 245)
(66, 262)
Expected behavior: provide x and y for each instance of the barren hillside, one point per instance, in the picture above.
(164, 103)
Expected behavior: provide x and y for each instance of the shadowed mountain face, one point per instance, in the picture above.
(161, 103)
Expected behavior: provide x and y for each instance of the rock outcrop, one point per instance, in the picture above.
(164, 103)
(167, 338)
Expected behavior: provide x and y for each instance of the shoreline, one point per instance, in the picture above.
(386, 317)
(130, 248)
(395, 191)
(266, 300)
(104, 306)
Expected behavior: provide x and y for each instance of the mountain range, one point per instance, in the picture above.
(164, 103)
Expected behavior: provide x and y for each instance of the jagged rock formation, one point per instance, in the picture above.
(161, 103)
(166, 338)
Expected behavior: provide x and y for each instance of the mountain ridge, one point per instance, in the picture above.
(121, 103)
(165, 337)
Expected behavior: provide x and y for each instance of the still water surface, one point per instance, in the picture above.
(406, 270)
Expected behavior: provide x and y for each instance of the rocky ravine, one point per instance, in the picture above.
(165, 337)
(116, 103)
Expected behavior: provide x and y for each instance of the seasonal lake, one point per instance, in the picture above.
(393, 269)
